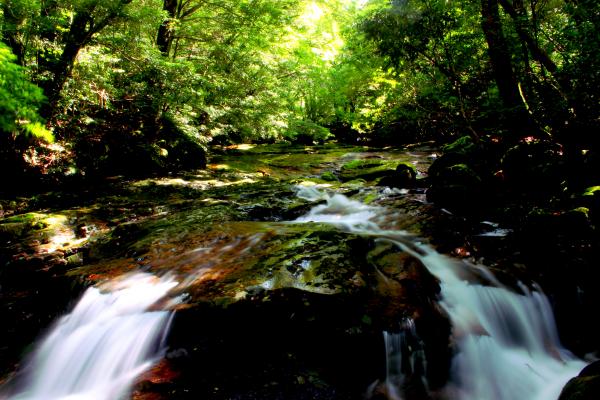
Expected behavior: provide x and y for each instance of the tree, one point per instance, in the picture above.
(20, 100)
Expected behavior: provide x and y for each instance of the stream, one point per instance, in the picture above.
(293, 288)
(507, 343)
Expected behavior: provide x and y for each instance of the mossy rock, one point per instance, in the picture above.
(586, 386)
(367, 169)
(18, 226)
(404, 176)
(459, 188)
(535, 168)
(463, 146)
(329, 176)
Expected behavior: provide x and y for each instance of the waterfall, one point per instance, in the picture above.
(405, 358)
(508, 346)
(100, 348)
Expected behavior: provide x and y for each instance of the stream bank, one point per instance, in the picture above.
(284, 311)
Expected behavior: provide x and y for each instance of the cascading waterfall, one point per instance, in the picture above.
(100, 348)
(405, 356)
(508, 346)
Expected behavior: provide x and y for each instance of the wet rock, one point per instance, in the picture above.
(586, 386)
(457, 187)
(534, 168)
(406, 288)
(329, 176)
(367, 169)
(404, 176)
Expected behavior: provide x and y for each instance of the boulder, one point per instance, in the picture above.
(534, 168)
(586, 386)
(456, 186)
(404, 176)
(367, 169)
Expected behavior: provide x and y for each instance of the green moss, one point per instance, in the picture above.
(369, 170)
(462, 172)
(407, 164)
(362, 164)
(23, 218)
(328, 176)
(371, 197)
(581, 210)
(463, 145)
(591, 190)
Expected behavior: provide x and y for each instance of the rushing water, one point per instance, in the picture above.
(508, 346)
(100, 348)
(405, 356)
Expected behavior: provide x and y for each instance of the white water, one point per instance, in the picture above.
(98, 350)
(508, 346)
(405, 356)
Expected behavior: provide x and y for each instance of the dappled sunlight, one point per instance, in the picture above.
(241, 146)
(49, 233)
(199, 184)
(219, 167)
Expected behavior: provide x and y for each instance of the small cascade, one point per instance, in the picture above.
(100, 348)
(405, 359)
(508, 342)
(508, 346)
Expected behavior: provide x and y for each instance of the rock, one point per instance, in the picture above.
(586, 386)
(75, 259)
(367, 169)
(534, 169)
(404, 176)
(463, 146)
(329, 176)
(456, 186)
(81, 231)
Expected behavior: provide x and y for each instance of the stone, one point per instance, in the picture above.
(586, 386)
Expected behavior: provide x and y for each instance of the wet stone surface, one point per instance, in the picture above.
(265, 308)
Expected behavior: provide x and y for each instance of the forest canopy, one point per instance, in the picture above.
(169, 78)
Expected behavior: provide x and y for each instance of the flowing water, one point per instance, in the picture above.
(100, 348)
(405, 356)
(507, 342)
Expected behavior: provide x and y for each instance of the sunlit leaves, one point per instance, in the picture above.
(19, 99)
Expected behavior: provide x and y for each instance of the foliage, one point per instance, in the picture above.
(306, 132)
(19, 99)
(379, 71)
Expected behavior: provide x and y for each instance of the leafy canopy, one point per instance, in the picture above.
(19, 99)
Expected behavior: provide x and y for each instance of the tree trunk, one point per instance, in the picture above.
(164, 38)
(521, 27)
(76, 39)
(519, 119)
(83, 27)
(10, 32)
(46, 57)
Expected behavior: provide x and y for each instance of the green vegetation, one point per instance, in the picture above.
(137, 87)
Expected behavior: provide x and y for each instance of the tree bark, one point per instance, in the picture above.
(499, 54)
(81, 31)
(536, 51)
(10, 32)
(164, 38)
(48, 34)
(519, 119)
(78, 36)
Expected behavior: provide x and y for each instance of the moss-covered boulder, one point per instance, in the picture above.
(367, 169)
(460, 178)
(586, 386)
(386, 172)
(457, 187)
(534, 169)
(404, 176)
